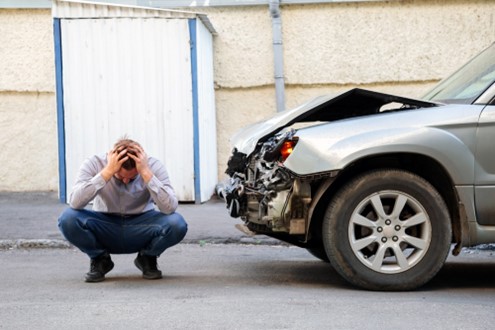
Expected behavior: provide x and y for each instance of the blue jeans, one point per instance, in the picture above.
(95, 233)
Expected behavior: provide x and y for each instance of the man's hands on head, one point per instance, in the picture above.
(115, 158)
(139, 156)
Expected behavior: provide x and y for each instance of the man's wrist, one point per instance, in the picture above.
(106, 175)
(147, 175)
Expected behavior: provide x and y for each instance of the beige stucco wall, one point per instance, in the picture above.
(401, 47)
(28, 135)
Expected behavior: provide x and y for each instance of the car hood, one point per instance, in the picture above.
(353, 103)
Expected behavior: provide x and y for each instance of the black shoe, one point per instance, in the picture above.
(99, 267)
(147, 264)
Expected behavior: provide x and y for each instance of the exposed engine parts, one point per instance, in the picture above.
(262, 192)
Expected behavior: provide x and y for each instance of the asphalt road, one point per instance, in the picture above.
(232, 286)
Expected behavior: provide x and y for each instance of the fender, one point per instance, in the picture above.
(350, 140)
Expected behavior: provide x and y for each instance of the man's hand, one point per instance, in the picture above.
(115, 159)
(137, 153)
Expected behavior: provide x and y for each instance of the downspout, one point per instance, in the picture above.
(278, 54)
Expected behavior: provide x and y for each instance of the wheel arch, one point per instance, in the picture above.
(421, 165)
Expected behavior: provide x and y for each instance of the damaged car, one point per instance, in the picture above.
(380, 186)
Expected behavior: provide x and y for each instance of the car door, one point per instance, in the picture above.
(484, 189)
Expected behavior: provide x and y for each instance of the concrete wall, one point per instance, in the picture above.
(401, 47)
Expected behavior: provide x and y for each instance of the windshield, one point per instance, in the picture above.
(469, 82)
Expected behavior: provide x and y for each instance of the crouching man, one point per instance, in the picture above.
(124, 185)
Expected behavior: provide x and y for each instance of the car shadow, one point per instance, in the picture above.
(460, 274)
(466, 273)
(453, 275)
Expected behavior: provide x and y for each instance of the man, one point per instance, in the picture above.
(124, 185)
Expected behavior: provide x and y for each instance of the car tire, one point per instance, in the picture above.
(375, 247)
(318, 252)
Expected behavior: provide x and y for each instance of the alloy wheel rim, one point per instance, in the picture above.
(389, 232)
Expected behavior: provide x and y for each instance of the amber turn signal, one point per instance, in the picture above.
(287, 149)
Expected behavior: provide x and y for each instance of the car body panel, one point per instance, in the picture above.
(485, 173)
(485, 168)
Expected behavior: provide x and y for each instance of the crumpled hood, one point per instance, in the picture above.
(353, 103)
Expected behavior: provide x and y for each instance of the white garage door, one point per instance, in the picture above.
(127, 76)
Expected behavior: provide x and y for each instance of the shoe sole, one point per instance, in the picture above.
(152, 277)
(94, 280)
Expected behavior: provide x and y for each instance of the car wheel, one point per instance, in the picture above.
(318, 252)
(387, 230)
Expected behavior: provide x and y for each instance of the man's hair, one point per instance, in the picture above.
(124, 142)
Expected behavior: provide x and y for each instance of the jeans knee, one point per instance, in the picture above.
(177, 225)
(67, 222)
(64, 219)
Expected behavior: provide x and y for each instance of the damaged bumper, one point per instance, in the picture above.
(261, 191)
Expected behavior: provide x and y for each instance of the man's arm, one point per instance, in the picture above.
(90, 179)
(155, 176)
(161, 189)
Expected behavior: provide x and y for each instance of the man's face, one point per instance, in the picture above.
(126, 176)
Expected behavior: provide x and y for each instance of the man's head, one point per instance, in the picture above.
(128, 171)
(128, 144)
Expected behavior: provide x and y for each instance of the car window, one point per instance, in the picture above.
(469, 82)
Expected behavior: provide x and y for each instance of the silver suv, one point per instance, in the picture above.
(379, 185)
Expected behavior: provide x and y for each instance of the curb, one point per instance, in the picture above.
(34, 244)
(10, 244)
(236, 240)
(63, 244)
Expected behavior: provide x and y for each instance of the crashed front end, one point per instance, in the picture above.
(278, 200)
(265, 194)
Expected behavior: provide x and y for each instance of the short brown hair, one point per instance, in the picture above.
(126, 143)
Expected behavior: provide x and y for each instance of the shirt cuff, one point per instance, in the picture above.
(154, 184)
(98, 181)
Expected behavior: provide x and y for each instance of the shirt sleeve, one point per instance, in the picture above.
(161, 189)
(88, 183)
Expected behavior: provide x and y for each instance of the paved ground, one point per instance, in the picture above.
(268, 285)
(234, 286)
(30, 219)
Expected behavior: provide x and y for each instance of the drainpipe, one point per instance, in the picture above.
(278, 55)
